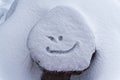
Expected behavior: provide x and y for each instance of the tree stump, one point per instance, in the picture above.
(53, 75)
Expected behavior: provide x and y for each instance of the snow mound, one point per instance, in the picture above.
(62, 41)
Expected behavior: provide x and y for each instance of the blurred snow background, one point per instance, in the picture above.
(4, 9)
(5, 4)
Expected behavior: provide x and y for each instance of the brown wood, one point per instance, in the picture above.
(52, 75)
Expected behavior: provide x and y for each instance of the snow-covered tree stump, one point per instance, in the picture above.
(61, 42)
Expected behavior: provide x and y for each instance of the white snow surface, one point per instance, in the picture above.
(6, 9)
(6, 4)
(62, 41)
(2, 15)
(103, 17)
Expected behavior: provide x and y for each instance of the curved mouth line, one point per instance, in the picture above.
(61, 51)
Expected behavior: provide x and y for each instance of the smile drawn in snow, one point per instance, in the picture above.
(60, 38)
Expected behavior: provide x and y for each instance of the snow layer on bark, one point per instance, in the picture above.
(62, 41)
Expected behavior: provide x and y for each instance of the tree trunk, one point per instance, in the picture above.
(51, 75)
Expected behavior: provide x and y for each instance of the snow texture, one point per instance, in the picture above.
(15, 63)
(7, 9)
(103, 17)
(2, 15)
(62, 41)
(12, 8)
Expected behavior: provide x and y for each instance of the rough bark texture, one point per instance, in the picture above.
(49, 75)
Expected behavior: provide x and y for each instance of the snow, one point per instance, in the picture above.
(6, 4)
(12, 8)
(2, 15)
(103, 18)
(6, 9)
(15, 63)
(74, 52)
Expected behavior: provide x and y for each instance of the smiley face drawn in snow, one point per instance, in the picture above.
(62, 38)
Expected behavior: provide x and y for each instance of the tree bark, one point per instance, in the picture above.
(50, 75)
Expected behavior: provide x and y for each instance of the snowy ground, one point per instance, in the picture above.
(5, 3)
(103, 17)
(5, 6)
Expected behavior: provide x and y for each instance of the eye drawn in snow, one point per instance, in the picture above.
(62, 41)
